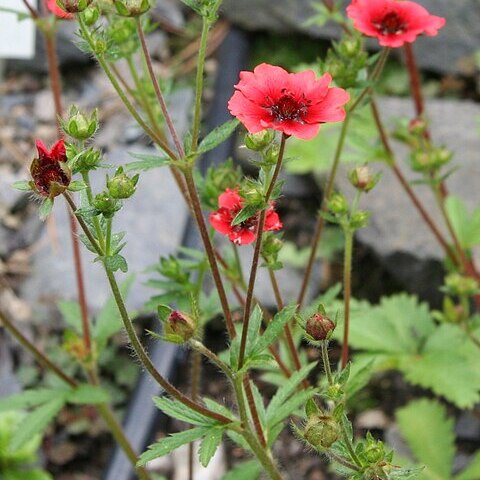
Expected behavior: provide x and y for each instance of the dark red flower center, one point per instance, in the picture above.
(48, 174)
(391, 24)
(288, 107)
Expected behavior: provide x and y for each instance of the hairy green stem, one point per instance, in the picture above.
(95, 219)
(326, 361)
(201, 348)
(347, 274)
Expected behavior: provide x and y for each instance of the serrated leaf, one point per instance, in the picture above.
(218, 408)
(244, 214)
(260, 406)
(465, 225)
(244, 471)
(109, 321)
(35, 422)
(115, 262)
(472, 470)
(253, 329)
(360, 375)
(286, 390)
(429, 433)
(45, 209)
(145, 162)
(28, 398)
(88, 395)
(274, 329)
(209, 445)
(217, 136)
(170, 443)
(193, 4)
(175, 409)
(408, 473)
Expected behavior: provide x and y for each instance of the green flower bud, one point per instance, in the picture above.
(359, 219)
(132, 8)
(319, 327)
(362, 179)
(374, 450)
(88, 160)
(461, 285)
(338, 204)
(350, 47)
(271, 154)
(321, 431)
(91, 15)
(417, 126)
(106, 204)
(180, 325)
(259, 141)
(121, 185)
(80, 126)
(100, 46)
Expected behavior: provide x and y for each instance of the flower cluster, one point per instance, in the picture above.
(230, 203)
(292, 103)
(393, 22)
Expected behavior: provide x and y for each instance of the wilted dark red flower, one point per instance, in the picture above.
(57, 11)
(292, 103)
(393, 22)
(49, 171)
(230, 203)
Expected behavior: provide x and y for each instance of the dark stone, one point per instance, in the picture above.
(458, 39)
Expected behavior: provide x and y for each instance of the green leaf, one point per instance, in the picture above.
(108, 321)
(472, 471)
(36, 421)
(218, 408)
(429, 433)
(115, 263)
(290, 406)
(408, 473)
(258, 399)
(28, 398)
(175, 409)
(88, 395)
(71, 314)
(45, 209)
(253, 329)
(209, 445)
(145, 162)
(360, 374)
(274, 329)
(170, 443)
(194, 5)
(245, 213)
(448, 364)
(77, 186)
(286, 390)
(466, 226)
(22, 185)
(249, 470)
(217, 136)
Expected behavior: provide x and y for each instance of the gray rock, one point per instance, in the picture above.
(396, 233)
(458, 39)
(154, 220)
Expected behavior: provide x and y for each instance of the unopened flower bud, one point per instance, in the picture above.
(131, 8)
(100, 46)
(350, 47)
(319, 327)
(417, 126)
(461, 285)
(121, 185)
(359, 219)
(321, 431)
(271, 154)
(75, 6)
(80, 126)
(338, 204)
(259, 141)
(180, 325)
(88, 160)
(106, 204)
(91, 15)
(362, 179)
(441, 156)
(374, 450)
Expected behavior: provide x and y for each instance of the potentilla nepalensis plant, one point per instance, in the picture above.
(273, 105)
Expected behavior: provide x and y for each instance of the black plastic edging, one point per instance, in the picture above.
(142, 416)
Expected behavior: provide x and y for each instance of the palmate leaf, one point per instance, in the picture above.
(29, 398)
(429, 433)
(170, 443)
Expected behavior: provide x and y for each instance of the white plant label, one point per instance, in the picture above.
(17, 39)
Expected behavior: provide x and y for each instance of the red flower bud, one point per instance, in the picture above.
(50, 174)
(319, 327)
(181, 325)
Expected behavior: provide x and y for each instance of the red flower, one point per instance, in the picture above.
(49, 171)
(292, 103)
(230, 203)
(57, 11)
(393, 22)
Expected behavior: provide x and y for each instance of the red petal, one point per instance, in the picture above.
(220, 223)
(230, 199)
